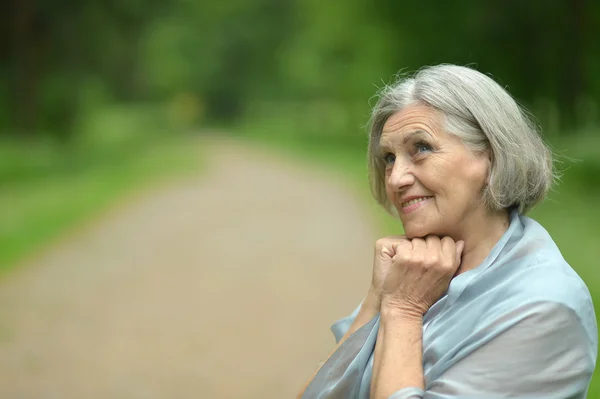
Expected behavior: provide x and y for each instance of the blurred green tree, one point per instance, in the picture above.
(59, 58)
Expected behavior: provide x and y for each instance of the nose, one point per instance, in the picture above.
(400, 177)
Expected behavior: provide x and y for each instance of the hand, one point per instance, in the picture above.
(385, 249)
(420, 273)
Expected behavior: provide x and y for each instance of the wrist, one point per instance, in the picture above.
(392, 310)
(372, 301)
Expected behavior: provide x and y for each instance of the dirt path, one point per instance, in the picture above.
(218, 286)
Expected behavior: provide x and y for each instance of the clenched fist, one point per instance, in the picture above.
(385, 250)
(419, 272)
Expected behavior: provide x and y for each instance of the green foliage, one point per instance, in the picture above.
(64, 58)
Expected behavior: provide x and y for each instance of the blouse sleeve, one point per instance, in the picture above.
(341, 327)
(539, 350)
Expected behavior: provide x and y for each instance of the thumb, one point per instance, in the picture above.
(460, 245)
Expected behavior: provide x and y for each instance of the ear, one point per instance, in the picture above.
(490, 160)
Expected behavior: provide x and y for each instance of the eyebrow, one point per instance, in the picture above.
(406, 138)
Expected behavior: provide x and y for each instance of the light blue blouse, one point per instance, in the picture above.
(520, 325)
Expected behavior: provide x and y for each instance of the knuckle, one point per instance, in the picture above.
(433, 260)
(387, 241)
(419, 260)
(403, 257)
(380, 243)
(402, 240)
(447, 264)
(447, 239)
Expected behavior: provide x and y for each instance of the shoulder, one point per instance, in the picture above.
(545, 337)
(543, 274)
(533, 271)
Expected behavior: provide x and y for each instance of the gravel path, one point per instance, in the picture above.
(222, 285)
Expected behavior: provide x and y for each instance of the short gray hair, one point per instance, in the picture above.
(485, 117)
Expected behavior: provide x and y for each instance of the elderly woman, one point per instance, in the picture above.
(475, 301)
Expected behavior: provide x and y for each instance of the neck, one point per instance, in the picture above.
(480, 234)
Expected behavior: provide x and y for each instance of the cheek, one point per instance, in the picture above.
(475, 176)
(478, 172)
(463, 181)
(386, 185)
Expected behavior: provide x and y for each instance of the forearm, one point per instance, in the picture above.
(397, 362)
(369, 309)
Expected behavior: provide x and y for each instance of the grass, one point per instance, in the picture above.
(570, 213)
(47, 188)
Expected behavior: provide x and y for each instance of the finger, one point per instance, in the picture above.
(460, 246)
(419, 245)
(448, 248)
(433, 244)
(403, 245)
(387, 245)
(394, 241)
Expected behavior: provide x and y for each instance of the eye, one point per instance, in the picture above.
(422, 146)
(389, 158)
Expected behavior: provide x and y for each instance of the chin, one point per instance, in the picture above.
(416, 231)
(422, 230)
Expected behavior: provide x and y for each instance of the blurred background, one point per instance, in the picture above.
(110, 109)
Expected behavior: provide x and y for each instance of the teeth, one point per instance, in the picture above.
(413, 201)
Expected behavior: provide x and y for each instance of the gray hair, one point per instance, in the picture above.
(485, 117)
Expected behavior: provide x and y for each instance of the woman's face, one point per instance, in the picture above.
(431, 178)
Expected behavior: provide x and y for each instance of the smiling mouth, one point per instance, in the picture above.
(413, 201)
